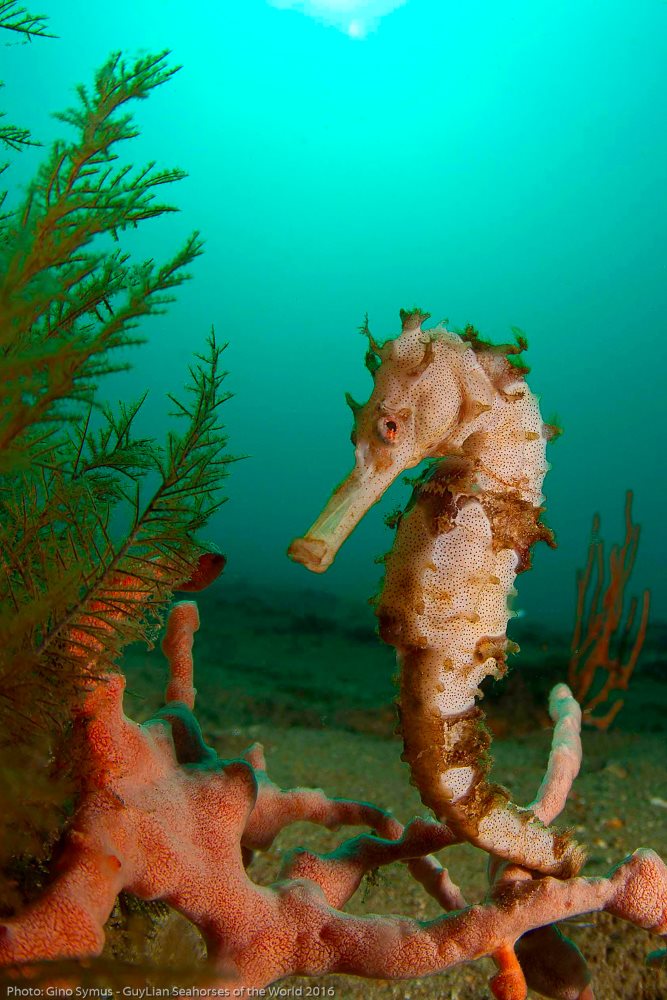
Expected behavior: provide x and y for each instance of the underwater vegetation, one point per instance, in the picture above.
(100, 526)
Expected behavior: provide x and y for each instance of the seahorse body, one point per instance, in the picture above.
(467, 531)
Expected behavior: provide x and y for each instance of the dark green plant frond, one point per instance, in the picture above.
(64, 302)
(21, 24)
(99, 523)
(13, 137)
(69, 591)
(116, 83)
(113, 448)
(20, 21)
(59, 351)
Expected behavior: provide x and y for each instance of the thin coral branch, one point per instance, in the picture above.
(604, 652)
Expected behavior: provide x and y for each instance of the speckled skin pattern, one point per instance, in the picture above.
(449, 577)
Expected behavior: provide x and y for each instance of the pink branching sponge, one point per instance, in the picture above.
(163, 817)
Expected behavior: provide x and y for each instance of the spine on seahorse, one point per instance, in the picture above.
(466, 533)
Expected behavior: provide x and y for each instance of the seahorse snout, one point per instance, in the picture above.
(313, 553)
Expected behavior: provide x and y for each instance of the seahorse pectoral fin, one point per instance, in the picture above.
(317, 549)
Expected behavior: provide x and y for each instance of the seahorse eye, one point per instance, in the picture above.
(388, 429)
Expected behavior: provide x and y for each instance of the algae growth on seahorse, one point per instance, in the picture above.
(466, 532)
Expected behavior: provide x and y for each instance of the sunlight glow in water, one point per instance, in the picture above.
(354, 17)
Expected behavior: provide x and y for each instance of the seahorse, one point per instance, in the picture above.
(468, 529)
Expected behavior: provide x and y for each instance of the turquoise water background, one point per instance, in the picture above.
(500, 163)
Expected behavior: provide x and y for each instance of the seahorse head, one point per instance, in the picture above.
(425, 384)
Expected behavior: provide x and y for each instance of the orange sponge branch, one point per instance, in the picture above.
(162, 816)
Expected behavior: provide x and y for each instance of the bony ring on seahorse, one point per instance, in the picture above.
(466, 532)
